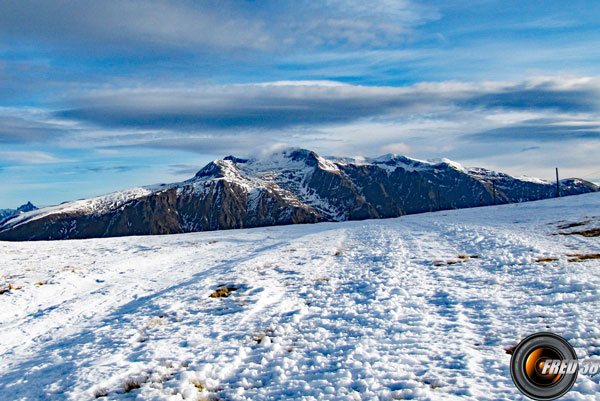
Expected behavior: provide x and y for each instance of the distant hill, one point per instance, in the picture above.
(289, 187)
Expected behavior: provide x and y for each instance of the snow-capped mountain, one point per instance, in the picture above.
(6, 214)
(288, 187)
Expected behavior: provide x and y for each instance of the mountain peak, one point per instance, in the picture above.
(217, 168)
(28, 207)
(307, 156)
(235, 159)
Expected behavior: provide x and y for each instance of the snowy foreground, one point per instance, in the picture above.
(380, 309)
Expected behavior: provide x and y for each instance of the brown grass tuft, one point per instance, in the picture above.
(594, 232)
(259, 337)
(577, 257)
(222, 292)
(461, 258)
(10, 288)
(131, 384)
(546, 259)
(571, 225)
(464, 256)
(198, 385)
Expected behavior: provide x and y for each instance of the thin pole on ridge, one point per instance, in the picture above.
(557, 184)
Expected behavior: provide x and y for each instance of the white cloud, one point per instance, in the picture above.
(396, 148)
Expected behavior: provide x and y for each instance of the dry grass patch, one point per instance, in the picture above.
(198, 385)
(571, 225)
(465, 256)
(546, 259)
(132, 384)
(101, 393)
(593, 232)
(260, 337)
(431, 383)
(510, 350)
(10, 288)
(577, 257)
(223, 292)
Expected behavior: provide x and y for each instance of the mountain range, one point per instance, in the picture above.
(6, 214)
(288, 187)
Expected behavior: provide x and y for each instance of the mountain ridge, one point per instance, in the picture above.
(287, 187)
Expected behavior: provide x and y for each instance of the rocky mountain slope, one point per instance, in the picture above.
(289, 187)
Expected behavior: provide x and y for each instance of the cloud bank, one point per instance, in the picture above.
(546, 109)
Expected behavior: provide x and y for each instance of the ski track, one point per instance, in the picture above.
(341, 311)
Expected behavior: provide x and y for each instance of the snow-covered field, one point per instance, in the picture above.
(355, 310)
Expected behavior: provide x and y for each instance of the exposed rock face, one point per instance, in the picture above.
(291, 187)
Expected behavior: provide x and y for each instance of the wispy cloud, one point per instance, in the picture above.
(27, 129)
(539, 130)
(215, 25)
(30, 157)
(183, 169)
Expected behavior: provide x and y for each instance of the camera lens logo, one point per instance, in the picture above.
(544, 366)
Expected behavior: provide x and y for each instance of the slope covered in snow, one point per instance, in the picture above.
(417, 307)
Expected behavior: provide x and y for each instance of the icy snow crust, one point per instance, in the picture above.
(332, 311)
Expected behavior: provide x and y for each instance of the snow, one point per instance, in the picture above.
(388, 162)
(532, 179)
(353, 310)
(96, 205)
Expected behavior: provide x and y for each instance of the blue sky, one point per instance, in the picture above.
(101, 96)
